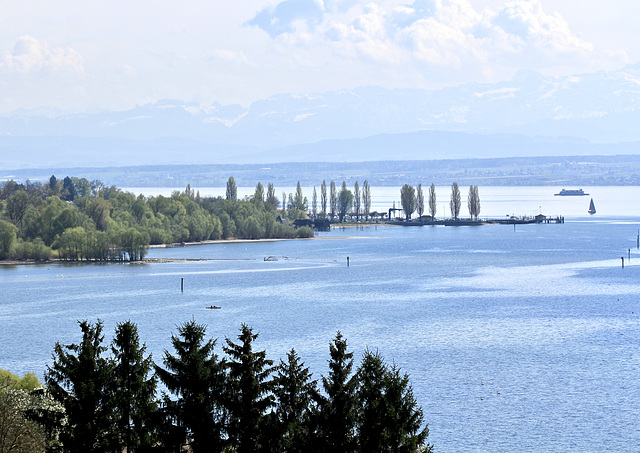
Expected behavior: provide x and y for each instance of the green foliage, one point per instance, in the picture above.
(132, 390)
(249, 393)
(197, 377)
(28, 382)
(337, 410)
(239, 403)
(344, 202)
(408, 200)
(388, 417)
(104, 223)
(294, 393)
(7, 238)
(79, 378)
(455, 202)
(18, 433)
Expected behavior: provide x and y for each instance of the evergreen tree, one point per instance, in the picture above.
(79, 379)
(388, 419)
(133, 389)
(249, 395)
(197, 377)
(294, 392)
(336, 417)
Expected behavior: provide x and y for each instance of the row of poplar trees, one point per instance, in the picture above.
(240, 402)
(412, 200)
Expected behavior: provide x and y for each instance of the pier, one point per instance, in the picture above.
(470, 222)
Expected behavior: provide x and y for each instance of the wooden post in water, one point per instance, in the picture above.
(638, 240)
(629, 255)
(347, 261)
(182, 285)
(622, 258)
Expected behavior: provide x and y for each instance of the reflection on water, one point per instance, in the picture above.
(515, 340)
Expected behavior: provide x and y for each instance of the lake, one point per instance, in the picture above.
(521, 338)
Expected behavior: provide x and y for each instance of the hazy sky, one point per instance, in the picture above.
(87, 55)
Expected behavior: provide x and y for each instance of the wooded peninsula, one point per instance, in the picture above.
(76, 219)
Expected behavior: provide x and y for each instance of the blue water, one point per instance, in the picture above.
(524, 339)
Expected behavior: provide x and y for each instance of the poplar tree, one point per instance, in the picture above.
(356, 200)
(455, 203)
(366, 199)
(271, 196)
(314, 203)
(432, 201)
(408, 200)
(333, 202)
(419, 201)
(258, 195)
(232, 189)
(474, 202)
(249, 393)
(323, 197)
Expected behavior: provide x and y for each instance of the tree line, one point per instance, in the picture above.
(105, 398)
(412, 200)
(76, 219)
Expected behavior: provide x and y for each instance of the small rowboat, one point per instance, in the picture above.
(212, 307)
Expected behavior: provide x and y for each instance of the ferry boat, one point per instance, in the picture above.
(571, 193)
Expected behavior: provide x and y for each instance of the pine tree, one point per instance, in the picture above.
(336, 418)
(197, 376)
(78, 378)
(249, 394)
(133, 389)
(388, 416)
(294, 392)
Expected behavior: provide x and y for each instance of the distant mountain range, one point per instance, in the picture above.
(530, 115)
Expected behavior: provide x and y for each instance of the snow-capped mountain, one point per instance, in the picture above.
(602, 107)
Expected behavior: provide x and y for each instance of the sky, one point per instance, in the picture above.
(81, 56)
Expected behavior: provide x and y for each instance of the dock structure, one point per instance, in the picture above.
(470, 222)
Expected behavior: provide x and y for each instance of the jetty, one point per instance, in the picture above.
(511, 220)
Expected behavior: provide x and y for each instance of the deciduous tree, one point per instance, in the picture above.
(232, 189)
(408, 200)
(432, 201)
(455, 203)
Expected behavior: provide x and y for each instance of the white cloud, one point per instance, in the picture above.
(440, 33)
(30, 55)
